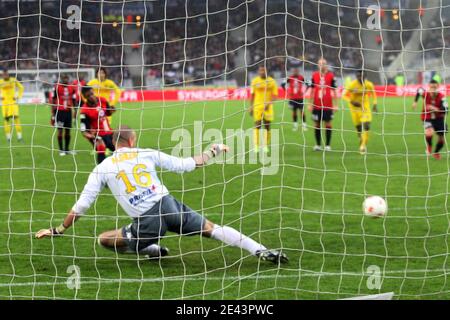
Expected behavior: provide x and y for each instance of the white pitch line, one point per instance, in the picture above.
(310, 211)
(229, 278)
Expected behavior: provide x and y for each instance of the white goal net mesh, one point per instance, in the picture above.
(184, 70)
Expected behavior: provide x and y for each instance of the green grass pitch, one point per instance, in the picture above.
(311, 208)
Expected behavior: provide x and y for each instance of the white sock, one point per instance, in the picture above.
(8, 136)
(234, 238)
(19, 135)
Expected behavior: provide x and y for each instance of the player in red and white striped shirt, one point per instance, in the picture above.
(294, 91)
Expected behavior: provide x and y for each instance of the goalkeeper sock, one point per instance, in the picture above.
(317, 134)
(328, 134)
(18, 128)
(7, 128)
(256, 137)
(439, 144)
(234, 238)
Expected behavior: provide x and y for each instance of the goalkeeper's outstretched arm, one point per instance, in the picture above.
(96, 183)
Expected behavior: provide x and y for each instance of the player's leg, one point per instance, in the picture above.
(188, 222)
(429, 132)
(109, 142)
(6, 124)
(256, 135)
(366, 119)
(67, 127)
(234, 238)
(113, 240)
(302, 114)
(293, 107)
(60, 139)
(364, 137)
(16, 121)
(356, 119)
(317, 118)
(67, 138)
(117, 240)
(100, 149)
(267, 134)
(440, 128)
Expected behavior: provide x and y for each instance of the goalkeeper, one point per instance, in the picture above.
(131, 176)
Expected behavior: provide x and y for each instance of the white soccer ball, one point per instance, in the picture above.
(374, 206)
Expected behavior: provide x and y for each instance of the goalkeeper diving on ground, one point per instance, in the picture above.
(131, 176)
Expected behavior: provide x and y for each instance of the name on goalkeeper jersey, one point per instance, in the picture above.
(119, 157)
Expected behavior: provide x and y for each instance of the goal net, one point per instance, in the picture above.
(185, 70)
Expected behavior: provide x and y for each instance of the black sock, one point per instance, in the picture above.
(318, 135)
(439, 145)
(294, 116)
(100, 157)
(328, 135)
(303, 117)
(60, 142)
(67, 138)
(429, 140)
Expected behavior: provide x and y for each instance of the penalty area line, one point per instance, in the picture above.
(227, 278)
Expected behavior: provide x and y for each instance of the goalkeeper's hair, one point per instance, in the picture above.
(433, 81)
(122, 134)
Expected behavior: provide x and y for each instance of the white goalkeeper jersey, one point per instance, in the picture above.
(130, 174)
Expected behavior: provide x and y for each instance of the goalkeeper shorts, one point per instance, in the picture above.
(166, 215)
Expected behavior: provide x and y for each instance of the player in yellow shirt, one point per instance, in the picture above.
(10, 91)
(263, 91)
(358, 96)
(103, 87)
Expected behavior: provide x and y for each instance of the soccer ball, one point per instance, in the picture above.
(374, 206)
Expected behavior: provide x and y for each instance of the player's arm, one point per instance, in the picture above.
(109, 109)
(252, 98)
(20, 89)
(310, 86)
(348, 93)
(444, 105)
(179, 165)
(74, 103)
(273, 96)
(417, 97)
(373, 93)
(52, 101)
(85, 128)
(93, 187)
(334, 95)
(117, 92)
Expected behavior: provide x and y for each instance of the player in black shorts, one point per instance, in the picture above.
(63, 102)
(433, 115)
(294, 92)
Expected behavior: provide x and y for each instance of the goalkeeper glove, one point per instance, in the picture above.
(217, 149)
(58, 231)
